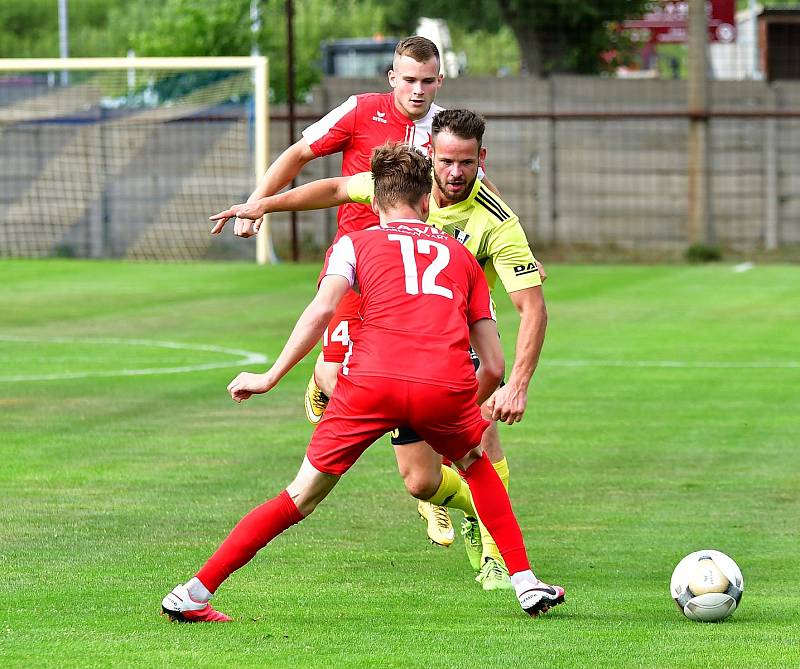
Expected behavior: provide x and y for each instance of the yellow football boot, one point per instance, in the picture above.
(315, 401)
(440, 527)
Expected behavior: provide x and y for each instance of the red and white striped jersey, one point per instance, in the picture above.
(356, 127)
(420, 291)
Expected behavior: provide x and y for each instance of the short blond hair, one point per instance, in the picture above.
(419, 48)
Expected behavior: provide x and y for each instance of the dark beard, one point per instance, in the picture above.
(443, 188)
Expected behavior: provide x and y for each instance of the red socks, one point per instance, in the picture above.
(267, 521)
(494, 508)
(250, 535)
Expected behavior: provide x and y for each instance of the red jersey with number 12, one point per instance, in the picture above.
(420, 292)
(356, 127)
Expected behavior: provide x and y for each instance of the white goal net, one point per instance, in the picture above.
(127, 157)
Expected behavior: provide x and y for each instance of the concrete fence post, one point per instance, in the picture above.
(700, 226)
(771, 178)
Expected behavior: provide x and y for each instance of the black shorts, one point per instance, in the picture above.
(405, 435)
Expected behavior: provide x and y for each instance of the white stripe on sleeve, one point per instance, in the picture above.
(318, 130)
(343, 260)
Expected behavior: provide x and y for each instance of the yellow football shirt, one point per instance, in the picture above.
(485, 225)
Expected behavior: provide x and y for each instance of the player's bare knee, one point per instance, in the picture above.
(420, 486)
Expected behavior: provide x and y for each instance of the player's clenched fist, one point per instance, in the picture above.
(506, 405)
(247, 384)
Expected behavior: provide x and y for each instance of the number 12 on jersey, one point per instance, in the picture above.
(425, 247)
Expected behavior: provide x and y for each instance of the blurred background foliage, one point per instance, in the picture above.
(496, 36)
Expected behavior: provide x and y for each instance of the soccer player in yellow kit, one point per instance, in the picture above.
(462, 206)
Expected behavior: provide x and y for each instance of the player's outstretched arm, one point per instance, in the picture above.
(307, 332)
(509, 402)
(285, 168)
(278, 175)
(484, 339)
(320, 194)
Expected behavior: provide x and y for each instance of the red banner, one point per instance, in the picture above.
(666, 22)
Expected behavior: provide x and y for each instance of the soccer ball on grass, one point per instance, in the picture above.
(707, 586)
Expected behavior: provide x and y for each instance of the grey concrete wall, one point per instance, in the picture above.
(145, 191)
(623, 181)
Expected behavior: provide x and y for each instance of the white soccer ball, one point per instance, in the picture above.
(707, 585)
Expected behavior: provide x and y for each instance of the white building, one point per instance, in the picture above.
(740, 59)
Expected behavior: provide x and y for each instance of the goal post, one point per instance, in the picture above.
(131, 156)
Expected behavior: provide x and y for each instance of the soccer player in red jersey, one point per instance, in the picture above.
(355, 128)
(424, 299)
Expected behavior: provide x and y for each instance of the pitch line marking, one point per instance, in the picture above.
(252, 358)
(246, 358)
(676, 364)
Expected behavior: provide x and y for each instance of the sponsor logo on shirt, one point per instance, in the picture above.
(421, 231)
(380, 117)
(460, 235)
(530, 268)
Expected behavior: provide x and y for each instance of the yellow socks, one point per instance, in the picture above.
(489, 546)
(453, 492)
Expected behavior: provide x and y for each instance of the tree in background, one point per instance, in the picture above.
(29, 28)
(223, 28)
(189, 28)
(554, 36)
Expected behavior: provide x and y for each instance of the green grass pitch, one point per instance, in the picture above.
(663, 419)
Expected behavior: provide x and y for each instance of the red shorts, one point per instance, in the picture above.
(365, 408)
(345, 322)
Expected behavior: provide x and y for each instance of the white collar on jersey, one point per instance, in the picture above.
(425, 121)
